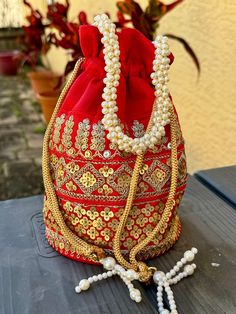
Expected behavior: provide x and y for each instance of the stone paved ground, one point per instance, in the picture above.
(21, 136)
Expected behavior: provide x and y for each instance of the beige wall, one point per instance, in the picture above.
(207, 107)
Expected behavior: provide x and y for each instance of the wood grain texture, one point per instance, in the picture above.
(222, 181)
(208, 223)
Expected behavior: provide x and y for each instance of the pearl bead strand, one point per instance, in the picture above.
(159, 78)
(164, 281)
(113, 268)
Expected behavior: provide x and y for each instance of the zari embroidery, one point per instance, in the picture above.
(85, 130)
(81, 140)
(57, 129)
(138, 129)
(98, 137)
(66, 136)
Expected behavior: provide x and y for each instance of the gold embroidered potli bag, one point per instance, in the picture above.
(114, 163)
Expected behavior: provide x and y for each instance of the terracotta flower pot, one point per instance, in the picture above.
(48, 101)
(44, 81)
(9, 62)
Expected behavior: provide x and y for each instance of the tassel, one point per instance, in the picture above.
(113, 268)
(162, 280)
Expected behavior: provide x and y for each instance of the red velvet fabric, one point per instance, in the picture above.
(135, 93)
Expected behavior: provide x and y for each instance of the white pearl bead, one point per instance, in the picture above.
(138, 299)
(189, 269)
(84, 284)
(134, 294)
(189, 255)
(194, 250)
(110, 273)
(108, 263)
(131, 274)
(158, 276)
(172, 272)
(77, 289)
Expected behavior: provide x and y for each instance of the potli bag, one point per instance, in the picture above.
(113, 161)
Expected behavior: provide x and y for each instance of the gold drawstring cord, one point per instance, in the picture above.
(145, 271)
(82, 247)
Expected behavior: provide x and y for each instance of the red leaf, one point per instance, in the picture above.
(83, 18)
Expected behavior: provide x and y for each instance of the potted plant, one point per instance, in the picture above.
(36, 45)
(62, 34)
(147, 21)
(45, 83)
(11, 35)
(65, 34)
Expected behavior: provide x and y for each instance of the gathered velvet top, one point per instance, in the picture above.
(135, 93)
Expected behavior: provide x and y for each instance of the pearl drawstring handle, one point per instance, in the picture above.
(159, 77)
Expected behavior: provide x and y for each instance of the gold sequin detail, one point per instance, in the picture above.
(124, 180)
(98, 137)
(99, 224)
(81, 139)
(106, 171)
(92, 213)
(105, 190)
(57, 129)
(92, 232)
(135, 232)
(88, 179)
(88, 154)
(72, 167)
(71, 186)
(158, 176)
(106, 234)
(68, 129)
(143, 169)
(107, 213)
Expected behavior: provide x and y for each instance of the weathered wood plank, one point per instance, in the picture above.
(222, 181)
(36, 280)
(208, 223)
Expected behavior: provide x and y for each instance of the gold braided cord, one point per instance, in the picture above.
(167, 213)
(162, 225)
(132, 191)
(80, 245)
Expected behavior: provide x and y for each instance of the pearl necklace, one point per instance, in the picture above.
(162, 103)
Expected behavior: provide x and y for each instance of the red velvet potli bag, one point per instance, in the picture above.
(113, 161)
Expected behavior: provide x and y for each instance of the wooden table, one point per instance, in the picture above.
(36, 280)
(222, 181)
